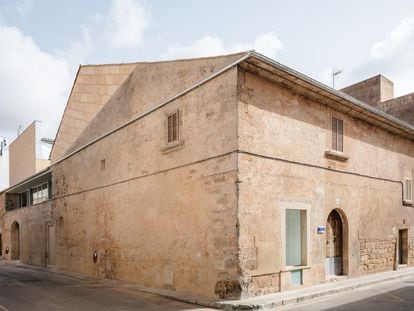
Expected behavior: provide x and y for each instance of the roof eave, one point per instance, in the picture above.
(363, 110)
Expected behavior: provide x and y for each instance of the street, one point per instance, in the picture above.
(22, 288)
(393, 295)
(27, 289)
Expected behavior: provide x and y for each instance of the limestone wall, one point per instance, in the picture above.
(372, 91)
(93, 86)
(156, 217)
(401, 107)
(377, 255)
(33, 222)
(282, 163)
(22, 156)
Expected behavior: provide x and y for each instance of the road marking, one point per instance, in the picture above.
(2, 308)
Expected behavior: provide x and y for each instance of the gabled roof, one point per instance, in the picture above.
(92, 87)
(273, 71)
(324, 94)
(149, 84)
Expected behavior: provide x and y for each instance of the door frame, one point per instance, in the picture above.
(48, 249)
(345, 240)
(15, 236)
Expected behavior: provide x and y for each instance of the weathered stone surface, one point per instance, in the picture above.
(377, 255)
(372, 91)
(140, 212)
(285, 136)
(33, 222)
(208, 217)
(22, 156)
(93, 86)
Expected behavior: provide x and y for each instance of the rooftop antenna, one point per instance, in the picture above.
(335, 73)
(3, 144)
(19, 130)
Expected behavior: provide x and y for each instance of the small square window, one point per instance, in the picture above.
(337, 134)
(103, 164)
(173, 127)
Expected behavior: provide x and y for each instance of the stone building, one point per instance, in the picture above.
(226, 177)
(24, 228)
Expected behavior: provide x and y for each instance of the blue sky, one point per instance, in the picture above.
(42, 42)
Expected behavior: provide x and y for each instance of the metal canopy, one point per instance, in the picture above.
(38, 179)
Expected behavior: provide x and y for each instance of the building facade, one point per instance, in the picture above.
(224, 177)
(25, 210)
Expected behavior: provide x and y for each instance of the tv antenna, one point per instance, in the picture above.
(19, 130)
(3, 144)
(335, 74)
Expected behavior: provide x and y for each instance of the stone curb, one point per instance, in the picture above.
(275, 303)
(269, 303)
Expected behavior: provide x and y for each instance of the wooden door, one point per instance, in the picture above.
(334, 244)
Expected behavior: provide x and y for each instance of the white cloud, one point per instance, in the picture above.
(79, 50)
(23, 7)
(395, 56)
(127, 22)
(34, 85)
(267, 44)
(395, 41)
(392, 57)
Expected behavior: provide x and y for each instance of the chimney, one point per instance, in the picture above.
(372, 91)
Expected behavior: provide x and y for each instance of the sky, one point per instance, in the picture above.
(42, 42)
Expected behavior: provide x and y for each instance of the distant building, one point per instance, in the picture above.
(30, 183)
(225, 177)
(4, 163)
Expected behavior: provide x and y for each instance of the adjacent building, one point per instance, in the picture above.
(225, 177)
(27, 200)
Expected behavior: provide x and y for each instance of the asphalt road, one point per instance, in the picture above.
(393, 295)
(27, 289)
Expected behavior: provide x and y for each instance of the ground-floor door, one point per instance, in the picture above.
(334, 244)
(402, 247)
(51, 242)
(15, 241)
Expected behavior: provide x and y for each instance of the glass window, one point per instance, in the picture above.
(40, 194)
(293, 238)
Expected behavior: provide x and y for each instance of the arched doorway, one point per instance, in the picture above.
(15, 241)
(336, 250)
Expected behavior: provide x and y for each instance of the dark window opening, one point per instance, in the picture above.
(103, 164)
(402, 247)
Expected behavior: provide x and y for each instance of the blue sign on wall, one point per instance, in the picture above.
(321, 229)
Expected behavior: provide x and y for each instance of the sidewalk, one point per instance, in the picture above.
(265, 302)
(278, 300)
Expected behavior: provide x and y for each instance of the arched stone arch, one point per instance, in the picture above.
(15, 241)
(337, 244)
